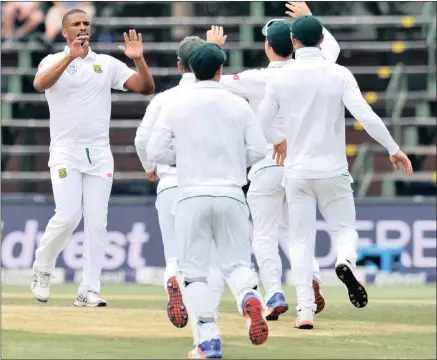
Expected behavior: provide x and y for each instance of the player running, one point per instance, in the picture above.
(213, 135)
(266, 195)
(167, 192)
(77, 83)
(302, 113)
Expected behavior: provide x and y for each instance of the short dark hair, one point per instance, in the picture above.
(71, 12)
(284, 50)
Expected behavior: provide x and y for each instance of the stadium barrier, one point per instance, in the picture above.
(135, 252)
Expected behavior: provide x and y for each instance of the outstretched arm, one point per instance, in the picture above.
(141, 81)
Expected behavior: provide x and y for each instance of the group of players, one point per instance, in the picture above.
(197, 139)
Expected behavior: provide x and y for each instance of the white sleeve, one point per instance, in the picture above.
(330, 47)
(268, 116)
(46, 63)
(256, 145)
(360, 109)
(243, 84)
(119, 74)
(144, 131)
(160, 147)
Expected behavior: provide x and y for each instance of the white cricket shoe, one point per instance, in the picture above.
(41, 285)
(89, 299)
(305, 319)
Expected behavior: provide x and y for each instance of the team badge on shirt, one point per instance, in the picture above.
(72, 68)
(62, 173)
(97, 69)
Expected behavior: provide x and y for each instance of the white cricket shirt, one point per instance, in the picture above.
(250, 84)
(212, 136)
(304, 103)
(166, 173)
(80, 101)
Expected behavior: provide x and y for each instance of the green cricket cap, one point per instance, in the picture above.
(278, 34)
(307, 29)
(206, 59)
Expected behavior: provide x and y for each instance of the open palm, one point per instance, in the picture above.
(134, 45)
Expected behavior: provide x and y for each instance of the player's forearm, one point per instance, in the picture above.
(273, 132)
(47, 78)
(371, 122)
(329, 46)
(147, 85)
(160, 148)
(141, 148)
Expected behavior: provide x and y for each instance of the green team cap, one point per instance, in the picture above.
(278, 33)
(185, 48)
(206, 59)
(307, 29)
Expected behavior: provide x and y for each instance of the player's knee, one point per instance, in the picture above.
(241, 278)
(190, 280)
(68, 219)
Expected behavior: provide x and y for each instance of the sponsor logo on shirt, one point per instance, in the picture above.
(62, 173)
(72, 68)
(109, 175)
(97, 69)
(236, 77)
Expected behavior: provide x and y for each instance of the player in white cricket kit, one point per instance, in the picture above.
(266, 195)
(307, 102)
(212, 137)
(77, 83)
(167, 190)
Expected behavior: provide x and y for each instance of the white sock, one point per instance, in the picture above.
(171, 270)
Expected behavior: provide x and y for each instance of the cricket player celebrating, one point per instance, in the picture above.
(77, 83)
(266, 195)
(167, 191)
(214, 137)
(302, 113)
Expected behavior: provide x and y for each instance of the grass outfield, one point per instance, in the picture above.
(399, 322)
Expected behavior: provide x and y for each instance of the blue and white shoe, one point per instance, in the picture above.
(206, 350)
(276, 306)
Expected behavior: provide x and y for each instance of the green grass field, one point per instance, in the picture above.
(399, 322)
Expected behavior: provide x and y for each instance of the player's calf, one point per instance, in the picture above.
(357, 292)
(176, 309)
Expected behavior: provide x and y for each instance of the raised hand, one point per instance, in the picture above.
(280, 152)
(79, 46)
(401, 157)
(297, 8)
(134, 45)
(215, 35)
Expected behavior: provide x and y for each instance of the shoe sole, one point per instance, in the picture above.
(176, 310)
(304, 325)
(82, 304)
(319, 299)
(40, 300)
(258, 330)
(357, 292)
(274, 315)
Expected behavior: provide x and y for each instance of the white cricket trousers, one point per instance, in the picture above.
(165, 206)
(165, 202)
(82, 181)
(201, 222)
(334, 198)
(268, 206)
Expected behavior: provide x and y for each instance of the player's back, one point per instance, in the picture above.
(210, 137)
(310, 96)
